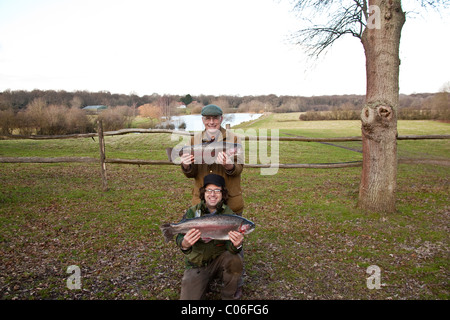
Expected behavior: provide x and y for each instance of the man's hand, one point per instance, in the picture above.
(186, 160)
(225, 160)
(236, 238)
(190, 238)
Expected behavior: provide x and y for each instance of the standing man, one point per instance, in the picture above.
(227, 166)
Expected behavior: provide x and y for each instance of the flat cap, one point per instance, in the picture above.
(211, 110)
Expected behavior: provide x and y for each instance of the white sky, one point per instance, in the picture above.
(235, 47)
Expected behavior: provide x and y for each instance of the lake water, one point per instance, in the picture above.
(194, 121)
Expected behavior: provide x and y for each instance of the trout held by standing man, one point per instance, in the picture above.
(211, 226)
(206, 150)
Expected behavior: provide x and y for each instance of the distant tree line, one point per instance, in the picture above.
(412, 107)
(19, 99)
(60, 112)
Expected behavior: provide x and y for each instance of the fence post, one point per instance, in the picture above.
(101, 141)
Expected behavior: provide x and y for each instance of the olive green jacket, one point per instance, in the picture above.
(232, 178)
(202, 253)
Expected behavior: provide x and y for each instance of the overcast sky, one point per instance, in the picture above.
(233, 47)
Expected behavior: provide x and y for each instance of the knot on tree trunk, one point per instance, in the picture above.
(384, 112)
(376, 116)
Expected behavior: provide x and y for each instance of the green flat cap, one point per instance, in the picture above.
(211, 110)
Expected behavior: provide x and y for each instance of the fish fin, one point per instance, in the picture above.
(167, 231)
(169, 154)
(206, 240)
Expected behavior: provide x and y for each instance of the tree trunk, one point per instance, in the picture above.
(378, 185)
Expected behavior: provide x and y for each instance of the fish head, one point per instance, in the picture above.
(246, 227)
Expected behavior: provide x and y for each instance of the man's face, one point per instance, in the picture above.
(212, 196)
(212, 123)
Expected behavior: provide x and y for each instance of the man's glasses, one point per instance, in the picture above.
(213, 118)
(216, 191)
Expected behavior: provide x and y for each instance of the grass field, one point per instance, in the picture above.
(311, 242)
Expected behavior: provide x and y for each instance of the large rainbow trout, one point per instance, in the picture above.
(206, 151)
(211, 226)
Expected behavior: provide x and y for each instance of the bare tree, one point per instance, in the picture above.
(378, 24)
(164, 104)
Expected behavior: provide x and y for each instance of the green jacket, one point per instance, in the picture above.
(202, 253)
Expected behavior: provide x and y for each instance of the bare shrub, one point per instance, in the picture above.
(128, 113)
(77, 121)
(54, 120)
(25, 123)
(330, 115)
(254, 106)
(196, 107)
(149, 110)
(441, 104)
(35, 114)
(7, 121)
(42, 119)
(116, 118)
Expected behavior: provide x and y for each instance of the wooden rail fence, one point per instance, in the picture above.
(103, 160)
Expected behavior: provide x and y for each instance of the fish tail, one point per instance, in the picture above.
(167, 231)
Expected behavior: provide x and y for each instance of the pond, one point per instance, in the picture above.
(194, 121)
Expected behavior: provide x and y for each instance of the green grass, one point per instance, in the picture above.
(311, 242)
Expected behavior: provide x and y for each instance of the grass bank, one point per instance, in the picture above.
(311, 241)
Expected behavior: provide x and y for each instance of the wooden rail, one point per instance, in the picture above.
(91, 135)
(163, 162)
(187, 133)
(46, 160)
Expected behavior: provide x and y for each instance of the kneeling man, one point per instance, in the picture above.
(206, 260)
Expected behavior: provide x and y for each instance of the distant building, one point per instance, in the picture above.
(92, 110)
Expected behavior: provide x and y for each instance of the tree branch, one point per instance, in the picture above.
(344, 20)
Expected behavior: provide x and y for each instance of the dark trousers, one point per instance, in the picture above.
(227, 266)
